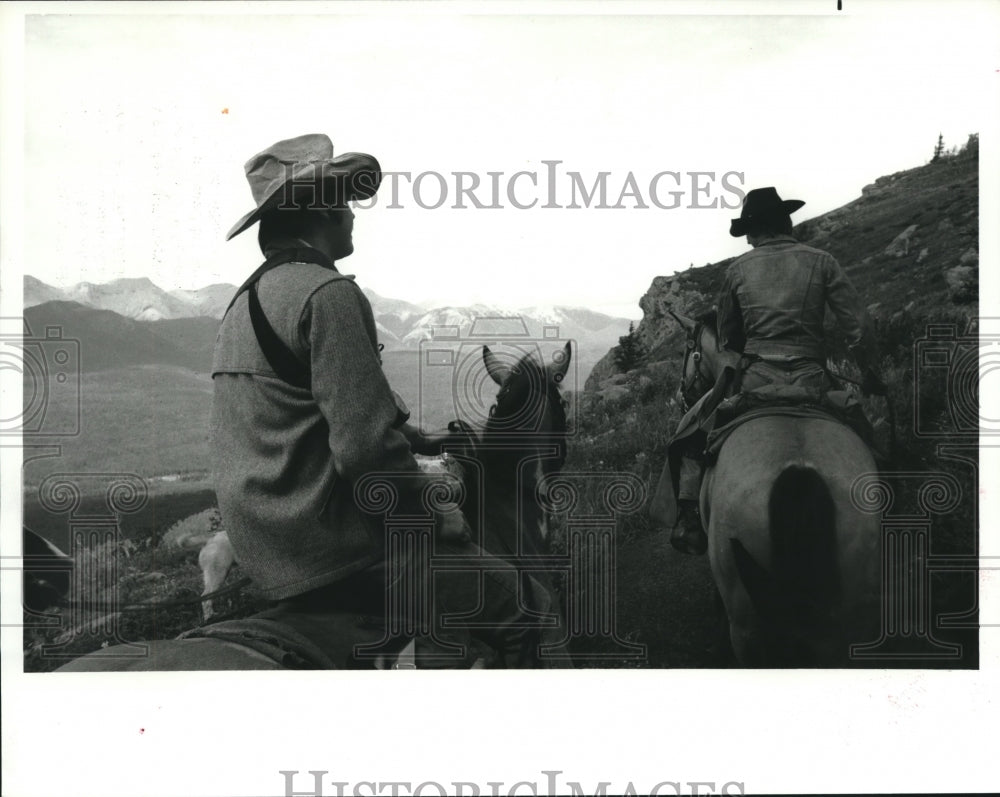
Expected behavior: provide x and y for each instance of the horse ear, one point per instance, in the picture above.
(561, 364)
(496, 369)
(688, 324)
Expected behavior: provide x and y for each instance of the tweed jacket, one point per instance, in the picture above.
(286, 459)
(775, 297)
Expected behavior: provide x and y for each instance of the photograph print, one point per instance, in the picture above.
(641, 352)
(567, 363)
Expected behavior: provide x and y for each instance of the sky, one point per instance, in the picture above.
(136, 129)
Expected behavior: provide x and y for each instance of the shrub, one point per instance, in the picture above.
(630, 351)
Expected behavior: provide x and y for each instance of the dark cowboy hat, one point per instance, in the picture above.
(762, 204)
(304, 167)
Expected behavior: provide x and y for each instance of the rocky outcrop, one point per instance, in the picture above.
(900, 245)
(194, 531)
(688, 293)
(963, 284)
(970, 258)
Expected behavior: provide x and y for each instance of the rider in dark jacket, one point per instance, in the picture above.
(771, 310)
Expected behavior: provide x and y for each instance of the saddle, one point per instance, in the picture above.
(278, 641)
(707, 426)
(790, 401)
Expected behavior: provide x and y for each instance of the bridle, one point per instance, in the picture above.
(700, 383)
(555, 403)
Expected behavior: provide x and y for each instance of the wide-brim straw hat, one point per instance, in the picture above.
(304, 168)
(762, 204)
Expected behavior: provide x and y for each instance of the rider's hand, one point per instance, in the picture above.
(453, 527)
(461, 433)
(871, 385)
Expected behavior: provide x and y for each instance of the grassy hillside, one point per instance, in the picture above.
(193, 336)
(109, 340)
(148, 420)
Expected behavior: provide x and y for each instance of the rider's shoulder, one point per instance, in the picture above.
(339, 293)
(309, 276)
(812, 250)
(785, 247)
(312, 281)
(303, 285)
(298, 282)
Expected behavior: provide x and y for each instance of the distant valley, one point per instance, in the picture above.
(144, 357)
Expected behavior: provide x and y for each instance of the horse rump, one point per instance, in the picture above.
(795, 599)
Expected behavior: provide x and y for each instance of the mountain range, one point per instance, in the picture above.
(401, 325)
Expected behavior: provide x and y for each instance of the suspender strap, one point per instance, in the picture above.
(279, 258)
(281, 358)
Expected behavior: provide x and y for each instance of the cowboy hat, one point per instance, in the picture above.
(305, 167)
(762, 204)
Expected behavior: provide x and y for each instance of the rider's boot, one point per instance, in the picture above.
(688, 536)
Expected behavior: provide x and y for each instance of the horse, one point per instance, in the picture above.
(521, 443)
(796, 562)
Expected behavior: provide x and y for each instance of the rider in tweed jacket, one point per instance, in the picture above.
(288, 456)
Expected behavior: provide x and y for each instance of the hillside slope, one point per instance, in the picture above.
(110, 340)
(909, 244)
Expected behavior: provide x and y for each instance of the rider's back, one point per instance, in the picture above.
(286, 458)
(774, 301)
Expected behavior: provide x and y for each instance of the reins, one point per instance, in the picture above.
(692, 350)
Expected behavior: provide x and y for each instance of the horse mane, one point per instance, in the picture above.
(710, 318)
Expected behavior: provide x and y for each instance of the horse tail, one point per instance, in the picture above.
(797, 596)
(804, 530)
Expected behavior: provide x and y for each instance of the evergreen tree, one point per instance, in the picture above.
(938, 148)
(630, 351)
(971, 147)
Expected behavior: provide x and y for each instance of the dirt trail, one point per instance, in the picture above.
(665, 601)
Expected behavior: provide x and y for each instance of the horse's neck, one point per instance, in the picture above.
(715, 361)
(513, 518)
(507, 469)
(510, 479)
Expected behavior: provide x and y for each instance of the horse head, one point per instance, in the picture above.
(703, 359)
(529, 402)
